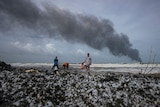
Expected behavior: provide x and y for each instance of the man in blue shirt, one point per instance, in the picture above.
(55, 63)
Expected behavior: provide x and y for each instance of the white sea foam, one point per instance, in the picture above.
(31, 64)
(132, 68)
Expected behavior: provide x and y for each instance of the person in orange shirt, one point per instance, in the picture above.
(65, 65)
(82, 66)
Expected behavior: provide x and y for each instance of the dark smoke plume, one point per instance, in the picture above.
(53, 21)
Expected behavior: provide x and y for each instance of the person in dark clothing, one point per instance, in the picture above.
(55, 65)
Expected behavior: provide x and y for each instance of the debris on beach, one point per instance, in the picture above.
(4, 66)
(77, 88)
(32, 70)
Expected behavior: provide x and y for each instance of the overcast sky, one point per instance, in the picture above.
(112, 31)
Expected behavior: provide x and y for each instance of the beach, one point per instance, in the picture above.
(35, 84)
(134, 68)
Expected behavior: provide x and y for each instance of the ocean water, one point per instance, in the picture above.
(131, 68)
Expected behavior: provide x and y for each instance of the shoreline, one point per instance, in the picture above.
(128, 68)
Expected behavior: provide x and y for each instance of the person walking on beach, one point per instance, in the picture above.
(55, 63)
(87, 63)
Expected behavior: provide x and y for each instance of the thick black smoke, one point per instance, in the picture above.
(53, 21)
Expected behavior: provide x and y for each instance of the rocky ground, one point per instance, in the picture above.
(41, 87)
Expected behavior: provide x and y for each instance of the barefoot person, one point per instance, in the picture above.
(82, 66)
(55, 65)
(65, 66)
(87, 63)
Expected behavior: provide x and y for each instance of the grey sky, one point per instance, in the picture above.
(39, 38)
